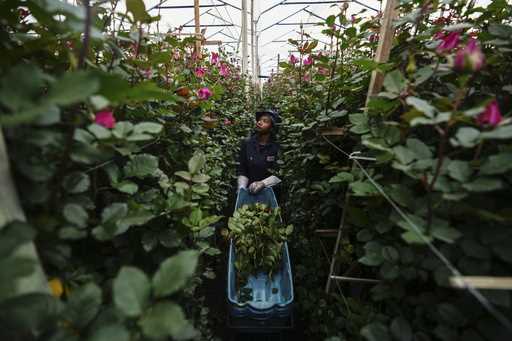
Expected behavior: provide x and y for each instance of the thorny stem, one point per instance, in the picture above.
(441, 152)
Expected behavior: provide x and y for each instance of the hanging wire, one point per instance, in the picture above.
(499, 316)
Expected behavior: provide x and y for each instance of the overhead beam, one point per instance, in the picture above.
(230, 5)
(299, 23)
(280, 21)
(209, 25)
(188, 6)
(314, 2)
(224, 20)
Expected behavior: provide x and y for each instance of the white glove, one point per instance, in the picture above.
(256, 186)
(271, 181)
(243, 181)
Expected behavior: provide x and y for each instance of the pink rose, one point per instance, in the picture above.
(204, 93)
(224, 70)
(227, 122)
(293, 60)
(214, 58)
(323, 71)
(308, 61)
(105, 118)
(200, 72)
(306, 78)
(147, 73)
(470, 57)
(491, 115)
(448, 42)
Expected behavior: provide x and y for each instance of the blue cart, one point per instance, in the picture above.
(269, 310)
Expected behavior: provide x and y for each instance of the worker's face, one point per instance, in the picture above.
(264, 124)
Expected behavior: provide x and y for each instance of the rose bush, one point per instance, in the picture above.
(121, 178)
(440, 132)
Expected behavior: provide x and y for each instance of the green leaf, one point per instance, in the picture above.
(421, 105)
(122, 129)
(75, 214)
(114, 212)
(76, 182)
(200, 178)
(363, 188)
(126, 186)
(174, 272)
(394, 82)
(196, 163)
(162, 320)
(412, 237)
(420, 149)
(148, 91)
(138, 9)
(72, 233)
(358, 119)
(373, 254)
(401, 329)
(497, 164)
(466, 137)
(83, 305)
(460, 170)
(502, 132)
(404, 155)
(100, 132)
(83, 136)
(375, 332)
(13, 235)
(115, 332)
(99, 102)
(31, 312)
(21, 86)
(446, 234)
(500, 30)
(147, 127)
(484, 184)
(184, 175)
(132, 289)
(141, 165)
(342, 177)
(113, 172)
(423, 74)
(390, 254)
(73, 87)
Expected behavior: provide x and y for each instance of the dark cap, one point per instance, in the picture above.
(274, 116)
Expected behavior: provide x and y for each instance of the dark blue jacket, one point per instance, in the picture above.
(257, 161)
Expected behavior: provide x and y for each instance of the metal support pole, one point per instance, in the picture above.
(253, 48)
(244, 36)
(258, 66)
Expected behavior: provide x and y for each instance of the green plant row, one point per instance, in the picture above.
(121, 145)
(440, 132)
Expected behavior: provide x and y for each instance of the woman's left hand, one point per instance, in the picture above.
(256, 187)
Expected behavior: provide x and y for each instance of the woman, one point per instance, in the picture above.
(258, 154)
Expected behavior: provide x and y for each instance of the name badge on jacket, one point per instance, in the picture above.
(271, 158)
